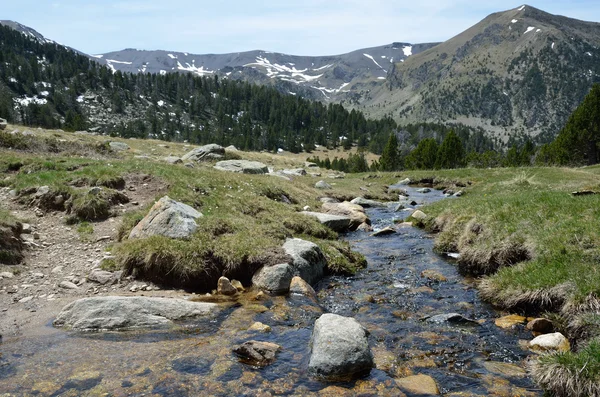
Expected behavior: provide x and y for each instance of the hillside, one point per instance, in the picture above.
(521, 71)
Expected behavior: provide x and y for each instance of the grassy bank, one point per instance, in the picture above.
(537, 247)
(246, 217)
(10, 244)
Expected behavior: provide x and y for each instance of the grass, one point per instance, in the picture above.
(86, 231)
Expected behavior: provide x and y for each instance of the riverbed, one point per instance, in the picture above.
(404, 285)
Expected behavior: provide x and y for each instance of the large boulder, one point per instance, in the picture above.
(274, 279)
(555, 342)
(354, 211)
(308, 260)
(125, 312)
(169, 218)
(3, 124)
(294, 172)
(206, 152)
(340, 349)
(335, 222)
(242, 166)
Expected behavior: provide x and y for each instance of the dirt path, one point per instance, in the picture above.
(58, 260)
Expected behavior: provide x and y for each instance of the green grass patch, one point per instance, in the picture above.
(85, 230)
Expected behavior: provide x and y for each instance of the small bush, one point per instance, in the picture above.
(95, 204)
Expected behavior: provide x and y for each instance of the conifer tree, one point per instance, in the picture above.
(451, 153)
(390, 158)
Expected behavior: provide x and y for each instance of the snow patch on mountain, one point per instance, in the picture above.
(522, 8)
(172, 56)
(194, 69)
(97, 56)
(529, 29)
(373, 59)
(407, 49)
(290, 73)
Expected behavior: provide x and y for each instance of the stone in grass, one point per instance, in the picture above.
(340, 349)
(418, 215)
(242, 166)
(323, 185)
(168, 218)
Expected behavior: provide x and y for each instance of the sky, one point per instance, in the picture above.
(307, 27)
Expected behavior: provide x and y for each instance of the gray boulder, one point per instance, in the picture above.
(242, 166)
(419, 215)
(323, 185)
(118, 146)
(3, 124)
(168, 218)
(173, 160)
(337, 223)
(294, 172)
(124, 312)
(206, 152)
(274, 279)
(231, 148)
(404, 182)
(354, 211)
(424, 190)
(384, 232)
(308, 164)
(363, 202)
(340, 349)
(308, 260)
(102, 277)
(453, 318)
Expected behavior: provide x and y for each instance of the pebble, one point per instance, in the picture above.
(26, 299)
(67, 285)
(58, 269)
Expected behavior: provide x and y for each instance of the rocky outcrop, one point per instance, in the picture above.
(335, 222)
(294, 172)
(242, 166)
(274, 279)
(225, 287)
(3, 124)
(354, 211)
(169, 218)
(125, 312)
(308, 260)
(205, 153)
(340, 349)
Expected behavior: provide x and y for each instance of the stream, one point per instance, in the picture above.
(391, 298)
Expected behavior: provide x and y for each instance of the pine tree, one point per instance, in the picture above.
(390, 158)
(451, 153)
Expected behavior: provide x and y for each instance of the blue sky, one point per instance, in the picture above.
(308, 27)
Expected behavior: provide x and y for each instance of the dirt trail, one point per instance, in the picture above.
(57, 253)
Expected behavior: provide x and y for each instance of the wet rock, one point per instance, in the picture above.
(123, 312)
(299, 286)
(364, 227)
(101, 277)
(418, 215)
(541, 325)
(453, 318)
(335, 222)
(419, 384)
(173, 160)
(424, 190)
(323, 185)
(224, 287)
(363, 202)
(203, 153)
(308, 260)
(340, 349)
(238, 285)
(231, 148)
(354, 211)
(169, 218)
(509, 321)
(459, 193)
(85, 380)
(274, 279)
(242, 166)
(433, 275)
(67, 285)
(257, 353)
(259, 327)
(384, 232)
(404, 182)
(504, 369)
(555, 342)
(118, 146)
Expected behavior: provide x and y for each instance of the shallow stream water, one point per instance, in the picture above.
(390, 298)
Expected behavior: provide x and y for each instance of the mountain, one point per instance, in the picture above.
(518, 72)
(324, 78)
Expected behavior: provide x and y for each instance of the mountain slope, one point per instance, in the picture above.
(521, 71)
(326, 78)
